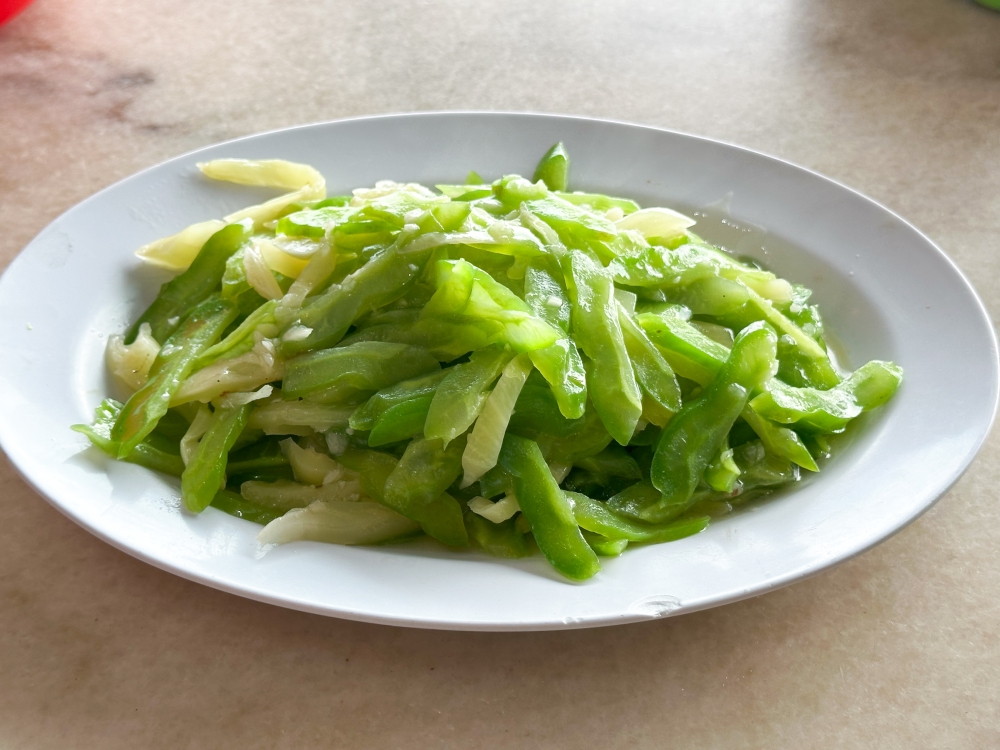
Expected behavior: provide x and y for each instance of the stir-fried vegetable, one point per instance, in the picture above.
(511, 364)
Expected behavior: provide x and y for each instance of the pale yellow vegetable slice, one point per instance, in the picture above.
(484, 443)
(284, 495)
(247, 372)
(130, 363)
(312, 467)
(177, 251)
(278, 259)
(259, 276)
(338, 522)
(195, 432)
(498, 512)
(656, 222)
(298, 417)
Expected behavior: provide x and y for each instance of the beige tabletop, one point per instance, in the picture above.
(896, 649)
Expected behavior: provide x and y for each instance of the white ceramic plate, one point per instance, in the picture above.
(887, 293)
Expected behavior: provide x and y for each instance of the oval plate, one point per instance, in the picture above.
(886, 290)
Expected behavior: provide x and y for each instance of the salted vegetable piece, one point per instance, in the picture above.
(537, 411)
(722, 473)
(486, 437)
(401, 421)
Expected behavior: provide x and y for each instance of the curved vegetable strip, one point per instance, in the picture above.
(553, 168)
(319, 268)
(205, 473)
(596, 517)
(336, 375)
(173, 364)
(611, 379)
(613, 461)
(563, 368)
(651, 370)
(600, 202)
(262, 456)
(591, 438)
(468, 296)
(656, 222)
(603, 546)
(537, 411)
(758, 468)
(426, 469)
(130, 364)
(367, 415)
(806, 355)
(176, 252)
(312, 467)
(152, 453)
(560, 364)
(576, 226)
(545, 295)
(306, 183)
(233, 504)
(497, 539)
(247, 372)
(180, 294)
(871, 385)
(701, 358)
(383, 279)
(722, 473)
(460, 396)
(778, 440)
(298, 417)
(690, 352)
(487, 435)
(441, 518)
(693, 437)
(498, 511)
(547, 510)
(284, 495)
(401, 421)
(241, 340)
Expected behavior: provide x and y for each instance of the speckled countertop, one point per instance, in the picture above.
(896, 649)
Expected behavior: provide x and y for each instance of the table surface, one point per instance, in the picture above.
(898, 648)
